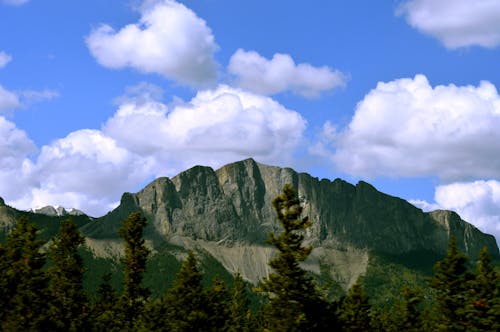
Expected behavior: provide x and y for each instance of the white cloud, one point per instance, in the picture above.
(87, 170)
(8, 100)
(408, 128)
(140, 94)
(4, 59)
(215, 127)
(260, 75)
(424, 205)
(456, 23)
(90, 169)
(169, 39)
(15, 2)
(15, 167)
(477, 202)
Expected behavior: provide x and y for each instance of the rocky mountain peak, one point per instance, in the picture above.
(58, 211)
(233, 205)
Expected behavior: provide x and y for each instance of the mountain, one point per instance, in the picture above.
(226, 216)
(57, 211)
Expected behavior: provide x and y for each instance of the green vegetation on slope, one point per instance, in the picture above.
(457, 296)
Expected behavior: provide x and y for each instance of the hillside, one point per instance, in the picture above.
(226, 215)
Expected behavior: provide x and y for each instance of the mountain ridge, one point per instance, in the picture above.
(227, 214)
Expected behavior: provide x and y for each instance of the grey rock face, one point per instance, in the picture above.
(228, 214)
(233, 206)
(58, 212)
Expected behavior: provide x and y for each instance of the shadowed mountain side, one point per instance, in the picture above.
(233, 205)
(227, 215)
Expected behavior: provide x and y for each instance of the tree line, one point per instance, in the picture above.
(41, 289)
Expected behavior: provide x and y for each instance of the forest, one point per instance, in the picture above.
(41, 289)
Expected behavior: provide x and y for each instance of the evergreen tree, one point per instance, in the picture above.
(217, 306)
(408, 312)
(69, 309)
(185, 303)
(354, 312)
(23, 283)
(450, 282)
(136, 253)
(239, 307)
(104, 310)
(295, 302)
(483, 310)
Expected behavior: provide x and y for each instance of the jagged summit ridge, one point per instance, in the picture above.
(233, 205)
(58, 211)
(227, 214)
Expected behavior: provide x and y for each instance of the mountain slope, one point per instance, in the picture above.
(227, 215)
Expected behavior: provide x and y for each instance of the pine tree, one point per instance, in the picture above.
(239, 307)
(69, 307)
(23, 283)
(217, 306)
(295, 302)
(483, 309)
(408, 312)
(136, 254)
(186, 302)
(104, 310)
(355, 311)
(450, 281)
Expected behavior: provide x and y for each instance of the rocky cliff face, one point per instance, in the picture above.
(228, 214)
(58, 211)
(233, 205)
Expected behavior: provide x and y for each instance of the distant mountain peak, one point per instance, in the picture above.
(57, 211)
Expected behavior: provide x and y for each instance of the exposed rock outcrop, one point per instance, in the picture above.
(58, 211)
(228, 214)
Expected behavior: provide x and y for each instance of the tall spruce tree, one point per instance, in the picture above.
(186, 301)
(354, 312)
(295, 302)
(239, 307)
(104, 309)
(69, 307)
(136, 254)
(23, 283)
(483, 309)
(408, 314)
(217, 299)
(450, 282)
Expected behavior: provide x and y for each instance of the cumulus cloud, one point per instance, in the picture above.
(90, 169)
(169, 40)
(456, 23)
(215, 127)
(8, 100)
(477, 202)
(4, 59)
(407, 127)
(87, 170)
(141, 93)
(15, 167)
(281, 73)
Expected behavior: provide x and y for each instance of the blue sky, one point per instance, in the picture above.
(99, 97)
